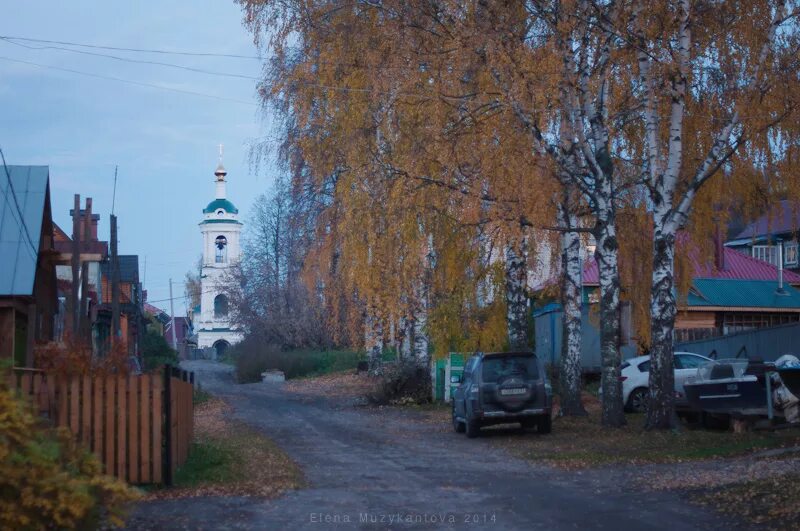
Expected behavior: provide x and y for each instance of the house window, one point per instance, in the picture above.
(767, 253)
(790, 254)
(220, 306)
(739, 322)
(221, 249)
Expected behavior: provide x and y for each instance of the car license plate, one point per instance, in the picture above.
(517, 391)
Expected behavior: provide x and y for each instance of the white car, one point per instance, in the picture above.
(636, 374)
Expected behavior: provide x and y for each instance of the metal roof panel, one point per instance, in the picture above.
(743, 294)
(19, 248)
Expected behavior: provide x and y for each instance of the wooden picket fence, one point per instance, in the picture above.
(140, 427)
(179, 418)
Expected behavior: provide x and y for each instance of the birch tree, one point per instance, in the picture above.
(435, 161)
(570, 371)
(725, 72)
(575, 136)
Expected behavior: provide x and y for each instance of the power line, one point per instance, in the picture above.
(131, 82)
(365, 90)
(314, 85)
(181, 296)
(129, 60)
(9, 39)
(142, 50)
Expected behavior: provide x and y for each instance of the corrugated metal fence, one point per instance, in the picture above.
(767, 344)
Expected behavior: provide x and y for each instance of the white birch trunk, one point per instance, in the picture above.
(570, 372)
(406, 332)
(422, 297)
(420, 324)
(607, 256)
(516, 277)
(373, 340)
(661, 405)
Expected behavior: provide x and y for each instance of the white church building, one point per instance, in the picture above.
(221, 230)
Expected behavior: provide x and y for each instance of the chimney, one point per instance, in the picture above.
(86, 217)
(94, 220)
(719, 250)
(780, 290)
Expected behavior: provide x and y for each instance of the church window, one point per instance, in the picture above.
(221, 306)
(221, 249)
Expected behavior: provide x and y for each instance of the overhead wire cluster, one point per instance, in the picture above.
(74, 47)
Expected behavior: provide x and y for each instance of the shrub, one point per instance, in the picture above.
(75, 357)
(157, 352)
(404, 383)
(252, 359)
(47, 481)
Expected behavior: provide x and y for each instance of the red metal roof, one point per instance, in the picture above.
(149, 308)
(784, 217)
(181, 330)
(738, 266)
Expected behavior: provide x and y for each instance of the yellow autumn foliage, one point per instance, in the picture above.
(416, 124)
(47, 481)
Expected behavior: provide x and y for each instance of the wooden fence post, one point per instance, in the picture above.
(168, 442)
(133, 429)
(157, 457)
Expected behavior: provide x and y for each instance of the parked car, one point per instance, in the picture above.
(636, 375)
(499, 388)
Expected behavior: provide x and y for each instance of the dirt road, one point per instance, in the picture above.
(386, 471)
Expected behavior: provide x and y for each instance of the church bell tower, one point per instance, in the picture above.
(221, 230)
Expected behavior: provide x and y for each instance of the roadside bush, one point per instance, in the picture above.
(47, 481)
(404, 383)
(157, 352)
(251, 359)
(74, 357)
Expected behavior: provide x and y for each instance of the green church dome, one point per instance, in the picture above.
(224, 204)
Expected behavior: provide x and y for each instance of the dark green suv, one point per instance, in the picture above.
(499, 388)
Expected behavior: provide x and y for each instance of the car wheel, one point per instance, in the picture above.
(528, 424)
(637, 401)
(458, 426)
(544, 424)
(473, 429)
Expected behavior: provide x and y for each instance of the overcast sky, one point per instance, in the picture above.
(165, 143)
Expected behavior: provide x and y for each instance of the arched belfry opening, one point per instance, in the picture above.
(221, 250)
(221, 306)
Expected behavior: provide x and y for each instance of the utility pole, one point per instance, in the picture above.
(76, 266)
(115, 329)
(172, 312)
(85, 322)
